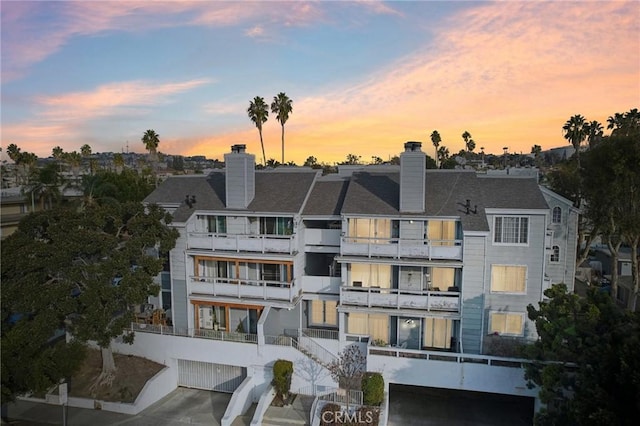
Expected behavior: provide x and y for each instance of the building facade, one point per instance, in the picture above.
(418, 267)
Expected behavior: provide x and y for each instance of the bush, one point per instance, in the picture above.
(372, 388)
(282, 373)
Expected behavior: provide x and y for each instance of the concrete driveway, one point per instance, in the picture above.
(182, 406)
(411, 405)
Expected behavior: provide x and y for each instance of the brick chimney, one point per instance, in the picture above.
(412, 178)
(240, 177)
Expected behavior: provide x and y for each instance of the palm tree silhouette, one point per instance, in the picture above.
(258, 113)
(282, 107)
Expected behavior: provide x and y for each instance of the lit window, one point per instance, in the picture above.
(506, 323)
(508, 279)
(555, 255)
(511, 230)
(323, 313)
(557, 215)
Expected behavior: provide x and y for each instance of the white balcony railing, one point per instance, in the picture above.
(225, 336)
(244, 288)
(316, 284)
(263, 243)
(441, 301)
(397, 248)
(322, 237)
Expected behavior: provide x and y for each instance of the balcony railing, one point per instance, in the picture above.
(447, 356)
(226, 336)
(426, 300)
(398, 247)
(244, 288)
(263, 243)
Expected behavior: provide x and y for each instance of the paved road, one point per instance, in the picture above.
(182, 406)
(409, 406)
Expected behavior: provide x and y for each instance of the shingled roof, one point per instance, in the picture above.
(327, 197)
(275, 192)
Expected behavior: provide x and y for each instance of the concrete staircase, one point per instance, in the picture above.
(245, 419)
(297, 413)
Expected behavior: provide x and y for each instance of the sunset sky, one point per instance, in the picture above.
(364, 76)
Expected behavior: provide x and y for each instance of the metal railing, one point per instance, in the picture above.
(224, 336)
(343, 396)
(318, 333)
(447, 356)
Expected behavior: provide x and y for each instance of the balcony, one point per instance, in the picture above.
(425, 300)
(263, 243)
(244, 288)
(322, 237)
(325, 285)
(397, 248)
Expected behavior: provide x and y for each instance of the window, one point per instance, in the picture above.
(508, 279)
(511, 230)
(371, 275)
(374, 325)
(323, 313)
(557, 215)
(555, 254)
(367, 230)
(276, 225)
(506, 323)
(441, 232)
(437, 333)
(213, 224)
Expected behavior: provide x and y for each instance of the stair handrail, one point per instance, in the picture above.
(310, 347)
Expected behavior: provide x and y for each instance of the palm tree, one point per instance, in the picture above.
(58, 154)
(575, 131)
(594, 133)
(436, 139)
(443, 155)
(259, 113)
(118, 162)
(282, 107)
(85, 151)
(468, 142)
(75, 161)
(151, 141)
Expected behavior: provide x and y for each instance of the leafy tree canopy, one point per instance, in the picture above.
(586, 360)
(77, 268)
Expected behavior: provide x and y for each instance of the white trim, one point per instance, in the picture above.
(493, 230)
(526, 279)
(516, 212)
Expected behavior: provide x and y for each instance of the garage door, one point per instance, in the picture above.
(205, 375)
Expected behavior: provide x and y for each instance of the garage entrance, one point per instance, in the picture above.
(209, 376)
(415, 405)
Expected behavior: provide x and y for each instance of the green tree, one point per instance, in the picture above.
(575, 131)
(436, 139)
(376, 160)
(74, 159)
(44, 186)
(348, 369)
(585, 360)
(595, 133)
(272, 162)
(352, 159)
(118, 162)
(443, 156)
(311, 161)
(611, 191)
(85, 151)
(259, 114)
(111, 187)
(469, 143)
(58, 154)
(99, 260)
(282, 107)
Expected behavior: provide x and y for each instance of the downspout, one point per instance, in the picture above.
(484, 294)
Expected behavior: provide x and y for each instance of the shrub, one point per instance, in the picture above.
(282, 373)
(372, 389)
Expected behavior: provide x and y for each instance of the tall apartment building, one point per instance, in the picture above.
(423, 269)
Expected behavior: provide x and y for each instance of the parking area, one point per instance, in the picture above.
(181, 407)
(412, 405)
